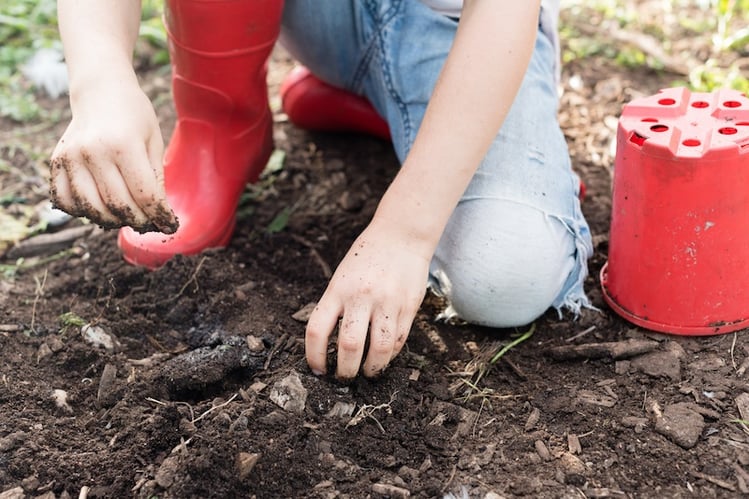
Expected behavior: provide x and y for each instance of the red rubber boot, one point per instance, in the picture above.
(312, 104)
(223, 138)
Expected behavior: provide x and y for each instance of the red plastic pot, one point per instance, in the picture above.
(679, 244)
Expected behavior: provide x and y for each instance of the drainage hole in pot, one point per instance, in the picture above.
(638, 139)
(732, 103)
(727, 130)
(691, 142)
(700, 104)
(659, 128)
(667, 102)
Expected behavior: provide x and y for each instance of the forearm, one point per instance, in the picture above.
(98, 37)
(471, 99)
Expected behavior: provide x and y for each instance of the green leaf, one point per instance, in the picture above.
(280, 222)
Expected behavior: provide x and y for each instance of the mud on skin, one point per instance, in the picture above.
(161, 222)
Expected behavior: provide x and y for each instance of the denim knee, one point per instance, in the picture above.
(501, 263)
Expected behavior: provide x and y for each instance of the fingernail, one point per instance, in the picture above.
(317, 372)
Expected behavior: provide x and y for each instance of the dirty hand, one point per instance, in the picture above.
(107, 166)
(376, 290)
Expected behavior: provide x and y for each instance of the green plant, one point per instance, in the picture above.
(29, 25)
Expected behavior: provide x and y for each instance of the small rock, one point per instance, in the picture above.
(55, 344)
(11, 441)
(255, 344)
(659, 365)
(571, 464)
(304, 313)
(96, 336)
(258, 386)
(638, 424)
(240, 424)
(61, 400)
(526, 486)
(493, 495)
(43, 352)
(341, 410)
(386, 490)
(167, 472)
(680, 424)
(105, 395)
(622, 366)
(289, 393)
(408, 473)
(15, 493)
(245, 463)
(30, 483)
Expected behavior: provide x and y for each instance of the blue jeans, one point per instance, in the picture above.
(517, 243)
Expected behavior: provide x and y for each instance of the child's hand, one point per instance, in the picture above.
(107, 166)
(377, 290)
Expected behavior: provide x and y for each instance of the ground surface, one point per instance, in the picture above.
(180, 385)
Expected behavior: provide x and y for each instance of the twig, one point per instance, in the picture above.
(37, 295)
(193, 278)
(580, 335)
(84, 492)
(733, 347)
(214, 408)
(715, 481)
(614, 350)
(367, 411)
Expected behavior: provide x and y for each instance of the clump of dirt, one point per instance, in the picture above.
(190, 381)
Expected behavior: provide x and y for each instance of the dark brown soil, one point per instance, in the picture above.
(180, 403)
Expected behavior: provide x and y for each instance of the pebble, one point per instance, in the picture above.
(96, 336)
(43, 352)
(255, 344)
(289, 393)
(680, 424)
(246, 462)
(15, 493)
(571, 464)
(167, 472)
(638, 424)
(61, 400)
(304, 313)
(11, 441)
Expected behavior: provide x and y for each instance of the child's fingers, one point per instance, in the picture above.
(321, 324)
(352, 335)
(75, 191)
(405, 320)
(147, 189)
(382, 338)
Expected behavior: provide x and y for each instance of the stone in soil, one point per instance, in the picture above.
(680, 424)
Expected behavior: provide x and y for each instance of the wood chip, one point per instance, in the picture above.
(614, 350)
(742, 402)
(542, 450)
(387, 490)
(533, 418)
(573, 444)
(593, 398)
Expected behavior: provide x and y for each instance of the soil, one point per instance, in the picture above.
(190, 381)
